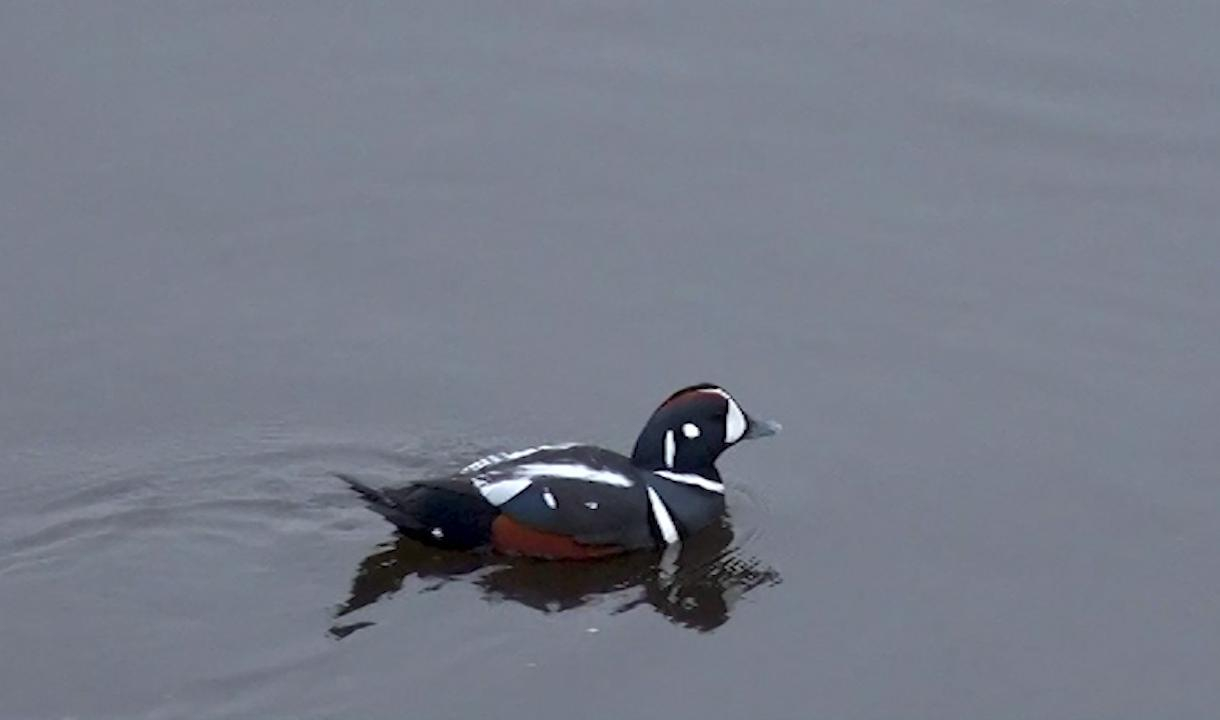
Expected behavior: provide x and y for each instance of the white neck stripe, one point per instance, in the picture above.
(692, 479)
(669, 531)
(671, 448)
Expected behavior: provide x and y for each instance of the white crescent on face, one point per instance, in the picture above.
(735, 425)
(735, 421)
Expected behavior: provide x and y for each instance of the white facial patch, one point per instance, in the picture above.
(690, 430)
(671, 448)
(549, 499)
(735, 422)
(735, 426)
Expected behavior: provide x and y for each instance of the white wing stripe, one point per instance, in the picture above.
(501, 491)
(504, 457)
(573, 472)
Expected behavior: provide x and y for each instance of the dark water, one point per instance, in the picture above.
(967, 252)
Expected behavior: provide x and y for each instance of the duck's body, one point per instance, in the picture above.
(582, 501)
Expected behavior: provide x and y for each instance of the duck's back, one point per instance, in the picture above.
(590, 494)
(568, 501)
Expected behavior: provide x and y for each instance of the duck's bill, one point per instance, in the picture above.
(761, 428)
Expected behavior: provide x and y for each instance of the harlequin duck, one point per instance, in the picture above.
(580, 501)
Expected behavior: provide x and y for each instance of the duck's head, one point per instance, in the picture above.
(693, 427)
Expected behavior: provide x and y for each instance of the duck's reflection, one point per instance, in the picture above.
(694, 585)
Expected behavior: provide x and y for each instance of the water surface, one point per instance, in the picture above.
(966, 252)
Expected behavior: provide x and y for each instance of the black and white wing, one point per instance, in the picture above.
(592, 495)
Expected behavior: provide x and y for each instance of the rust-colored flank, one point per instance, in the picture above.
(511, 537)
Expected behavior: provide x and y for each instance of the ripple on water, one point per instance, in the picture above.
(269, 520)
(237, 499)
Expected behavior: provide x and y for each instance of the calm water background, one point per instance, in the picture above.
(967, 252)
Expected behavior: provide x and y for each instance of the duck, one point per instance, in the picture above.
(576, 501)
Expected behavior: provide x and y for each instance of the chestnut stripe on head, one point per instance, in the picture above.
(687, 392)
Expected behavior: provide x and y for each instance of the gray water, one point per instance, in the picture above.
(966, 252)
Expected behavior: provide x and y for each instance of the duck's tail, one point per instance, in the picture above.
(441, 513)
(369, 492)
(381, 503)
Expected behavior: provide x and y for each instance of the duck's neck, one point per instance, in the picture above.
(649, 448)
(649, 454)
